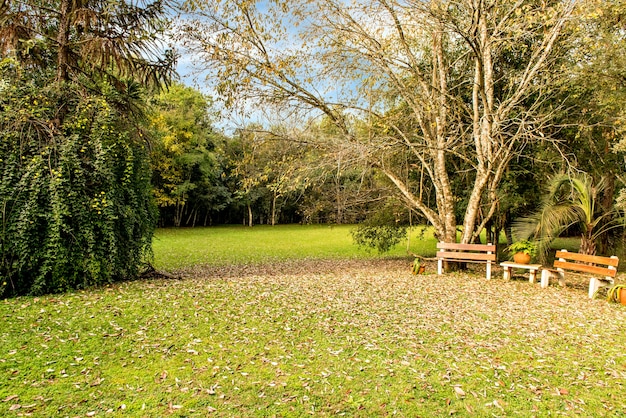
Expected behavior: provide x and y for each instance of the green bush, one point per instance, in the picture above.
(381, 231)
(75, 199)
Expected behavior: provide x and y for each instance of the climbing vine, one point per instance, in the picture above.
(76, 207)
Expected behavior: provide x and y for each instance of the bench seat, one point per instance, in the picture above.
(471, 253)
(595, 265)
(508, 266)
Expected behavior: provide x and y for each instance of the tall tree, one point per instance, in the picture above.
(438, 83)
(598, 65)
(77, 207)
(93, 38)
(186, 173)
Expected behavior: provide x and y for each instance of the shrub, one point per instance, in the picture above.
(77, 208)
(381, 231)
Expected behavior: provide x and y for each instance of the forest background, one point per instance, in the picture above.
(453, 114)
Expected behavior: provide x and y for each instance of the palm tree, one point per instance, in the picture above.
(571, 200)
(99, 39)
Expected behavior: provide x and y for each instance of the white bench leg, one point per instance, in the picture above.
(507, 273)
(488, 270)
(533, 276)
(440, 266)
(595, 284)
(546, 275)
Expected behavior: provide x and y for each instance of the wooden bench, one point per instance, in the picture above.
(593, 264)
(472, 253)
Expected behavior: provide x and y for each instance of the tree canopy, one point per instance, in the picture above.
(435, 86)
(75, 189)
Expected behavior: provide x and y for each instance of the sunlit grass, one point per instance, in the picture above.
(178, 248)
(216, 246)
(367, 340)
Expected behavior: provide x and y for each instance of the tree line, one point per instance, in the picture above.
(453, 113)
(202, 176)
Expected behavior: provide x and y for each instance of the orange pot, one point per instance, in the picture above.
(622, 296)
(521, 258)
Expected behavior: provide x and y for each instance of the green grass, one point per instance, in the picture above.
(179, 248)
(368, 339)
(176, 249)
(356, 335)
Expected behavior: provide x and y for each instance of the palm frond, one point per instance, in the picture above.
(570, 200)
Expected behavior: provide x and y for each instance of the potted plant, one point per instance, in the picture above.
(617, 293)
(418, 267)
(522, 251)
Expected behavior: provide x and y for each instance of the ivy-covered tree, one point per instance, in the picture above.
(77, 207)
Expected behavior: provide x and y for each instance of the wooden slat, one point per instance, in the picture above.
(466, 247)
(596, 259)
(585, 268)
(451, 255)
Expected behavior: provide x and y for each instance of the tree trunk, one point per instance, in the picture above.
(178, 213)
(192, 217)
(508, 231)
(63, 36)
(607, 206)
(496, 240)
(338, 200)
(490, 233)
(249, 215)
(274, 209)
(587, 244)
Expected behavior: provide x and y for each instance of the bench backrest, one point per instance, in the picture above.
(477, 252)
(593, 264)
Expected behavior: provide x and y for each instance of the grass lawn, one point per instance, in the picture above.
(192, 248)
(223, 245)
(288, 338)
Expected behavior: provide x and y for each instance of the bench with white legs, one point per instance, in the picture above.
(470, 253)
(603, 269)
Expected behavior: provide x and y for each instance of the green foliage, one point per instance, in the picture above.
(417, 267)
(111, 40)
(614, 293)
(76, 203)
(380, 237)
(572, 200)
(523, 246)
(187, 176)
(381, 231)
(75, 198)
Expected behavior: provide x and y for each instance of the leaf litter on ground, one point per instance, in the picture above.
(320, 337)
